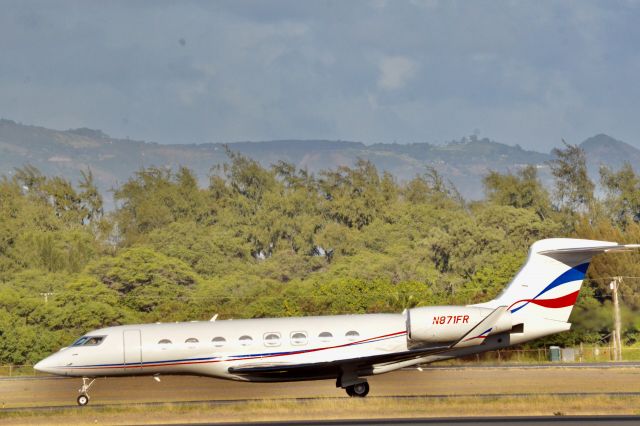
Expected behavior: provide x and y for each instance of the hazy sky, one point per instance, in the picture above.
(374, 71)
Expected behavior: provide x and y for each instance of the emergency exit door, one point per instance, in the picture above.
(132, 350)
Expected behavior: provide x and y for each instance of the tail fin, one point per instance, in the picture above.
(548, 284)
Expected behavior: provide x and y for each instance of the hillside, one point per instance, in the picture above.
(113, 161)
(605, 150)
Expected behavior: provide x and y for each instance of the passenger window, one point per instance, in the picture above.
(164, 342)
(219, 341)
(298, 338)
(245, 340)
(271, 339)
(191, 340)
(352, 335)
(325, 336)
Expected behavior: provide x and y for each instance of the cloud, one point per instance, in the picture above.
(395, 72)
(522, 72)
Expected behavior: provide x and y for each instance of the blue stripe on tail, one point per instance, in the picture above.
(576, 273)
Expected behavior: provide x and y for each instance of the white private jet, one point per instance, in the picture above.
(347, 348)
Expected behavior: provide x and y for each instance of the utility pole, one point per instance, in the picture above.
(46, 296)
(617, 343)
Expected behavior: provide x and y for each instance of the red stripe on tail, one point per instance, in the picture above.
(560, 302)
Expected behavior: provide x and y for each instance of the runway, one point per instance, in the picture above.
(436, 392)
(29, 392)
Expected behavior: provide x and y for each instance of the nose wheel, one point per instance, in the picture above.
(358, 390)
(83, 398)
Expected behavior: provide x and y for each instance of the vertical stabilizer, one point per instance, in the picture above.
(548, 284)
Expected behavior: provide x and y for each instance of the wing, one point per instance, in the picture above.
(477, 335)
(329, 369)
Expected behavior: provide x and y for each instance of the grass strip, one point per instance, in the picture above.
(325, 409)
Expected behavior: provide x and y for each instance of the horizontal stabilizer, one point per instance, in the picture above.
(592, 250)
(478, 334)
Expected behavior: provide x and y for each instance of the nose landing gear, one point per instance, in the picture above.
(83, 398)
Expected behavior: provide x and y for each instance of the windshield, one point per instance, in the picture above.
(89, 341)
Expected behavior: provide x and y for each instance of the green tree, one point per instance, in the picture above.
(574, 189)
(90, 197)
(352, 196)
(520, 190)
(623, 194)
(86, 304)
(156, 197)
(149, 282)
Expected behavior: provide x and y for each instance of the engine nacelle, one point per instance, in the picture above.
(439, 324)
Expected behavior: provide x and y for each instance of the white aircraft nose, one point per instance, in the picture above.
(45, 366)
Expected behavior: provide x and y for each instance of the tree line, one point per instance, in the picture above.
(277, 241)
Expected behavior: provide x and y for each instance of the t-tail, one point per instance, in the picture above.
(542, 294)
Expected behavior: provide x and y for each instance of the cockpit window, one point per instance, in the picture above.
(94, 341)
(89, 341)
(80, 341)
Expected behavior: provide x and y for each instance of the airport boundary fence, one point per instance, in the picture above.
(581, 353)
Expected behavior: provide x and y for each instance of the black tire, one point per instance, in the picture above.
(361, 389)
(83, 400)
(349, 390)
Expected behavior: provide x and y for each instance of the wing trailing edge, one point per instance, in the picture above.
(491, 324)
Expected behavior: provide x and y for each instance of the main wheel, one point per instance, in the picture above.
(360, 389)
(349, 390)
(83, 400)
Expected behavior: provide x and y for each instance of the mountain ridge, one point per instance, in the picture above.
(113, 161)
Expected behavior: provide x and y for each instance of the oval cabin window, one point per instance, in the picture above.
(325, 336)
(164, 342)
(245, 340)
(272, 339)
(352, 335)
(219, 341)
(298, 338)
(191, 340)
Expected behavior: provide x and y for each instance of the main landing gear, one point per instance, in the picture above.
(359, 389)
(83, 398)
(354, 385)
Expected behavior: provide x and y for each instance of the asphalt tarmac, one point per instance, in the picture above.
(50, 391)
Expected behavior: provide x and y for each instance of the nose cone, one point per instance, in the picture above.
(47, 365)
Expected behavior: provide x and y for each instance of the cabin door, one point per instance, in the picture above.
(132, 350)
